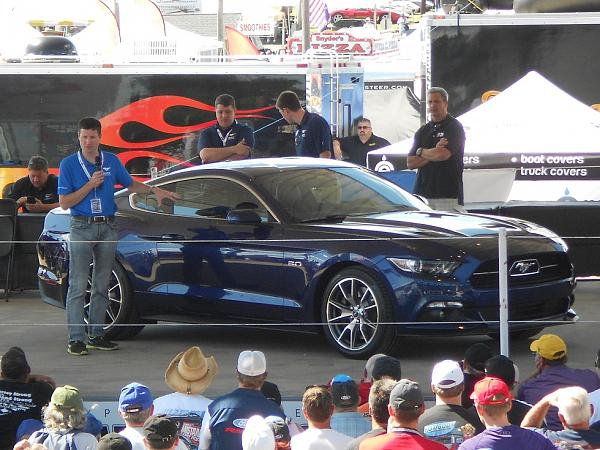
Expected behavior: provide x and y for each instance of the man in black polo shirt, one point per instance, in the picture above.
(38, 191)
(227, 140)
(437, 152)
(313, 135)
(354, 149)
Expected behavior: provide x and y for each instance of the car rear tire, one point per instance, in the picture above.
(356, 312)
(121, 310)
(337, 18)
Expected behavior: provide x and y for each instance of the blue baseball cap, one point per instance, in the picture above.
(28, 427)
(135, 397)
(341, 378)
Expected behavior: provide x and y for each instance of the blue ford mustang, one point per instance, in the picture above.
(318, 242)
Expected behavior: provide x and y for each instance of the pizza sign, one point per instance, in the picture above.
(346, 44)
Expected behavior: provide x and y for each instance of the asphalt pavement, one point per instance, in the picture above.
(294, 360)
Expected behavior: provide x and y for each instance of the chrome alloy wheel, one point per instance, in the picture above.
(115, 299)
(352, 313)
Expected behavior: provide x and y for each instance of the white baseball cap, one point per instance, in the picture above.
(447, 374)
(252, 363)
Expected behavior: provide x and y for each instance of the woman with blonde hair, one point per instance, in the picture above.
(64, 419)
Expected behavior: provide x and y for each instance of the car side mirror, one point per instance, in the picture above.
(243, 216)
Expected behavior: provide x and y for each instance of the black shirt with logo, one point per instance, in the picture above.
(24, 188)
(356, 151)
(20, 401)
(441, 179)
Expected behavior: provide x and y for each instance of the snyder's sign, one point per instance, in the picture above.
(259, 28)
(345, 43)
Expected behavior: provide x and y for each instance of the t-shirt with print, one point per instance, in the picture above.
(510, 437)
(20, 401)
(449, 424)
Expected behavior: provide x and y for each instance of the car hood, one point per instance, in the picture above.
(434, 223)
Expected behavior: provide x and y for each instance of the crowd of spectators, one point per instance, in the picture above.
(554, 408)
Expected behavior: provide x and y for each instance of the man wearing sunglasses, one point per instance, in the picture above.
(354, 149)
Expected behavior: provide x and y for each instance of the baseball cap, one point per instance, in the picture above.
(447, 374)
(14, 364)
(368, 372)
(28, 427)
(257, 435)
(252, 363)
(67, 397)
(500, 366)
(114, 441)
(135, 397)
(281, 431)
(344, 391)
(386, 366)
(406, 395)
(491, 391)
(160, 430)
(271, 392)
(549, 346)
(477, 354)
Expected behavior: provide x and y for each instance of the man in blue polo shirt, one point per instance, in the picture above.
(86, 187)
(227, 140)
(313, 135)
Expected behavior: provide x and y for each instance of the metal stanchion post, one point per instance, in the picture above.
(503, 291)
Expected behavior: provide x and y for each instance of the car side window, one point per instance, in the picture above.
(205, 197)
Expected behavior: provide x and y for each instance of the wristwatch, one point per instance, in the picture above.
(419, 151)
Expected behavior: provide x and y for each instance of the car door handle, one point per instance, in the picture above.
(165, 237)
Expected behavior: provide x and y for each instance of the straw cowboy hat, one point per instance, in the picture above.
(190, 372)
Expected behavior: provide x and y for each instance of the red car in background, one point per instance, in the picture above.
(364, 13)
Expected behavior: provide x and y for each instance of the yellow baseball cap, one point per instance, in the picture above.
(549, 346)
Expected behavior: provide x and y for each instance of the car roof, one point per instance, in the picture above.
(262, 165)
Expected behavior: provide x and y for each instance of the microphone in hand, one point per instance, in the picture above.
(98, 164)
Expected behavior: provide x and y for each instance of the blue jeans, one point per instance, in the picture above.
(89, 242)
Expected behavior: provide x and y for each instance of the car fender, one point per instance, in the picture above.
(327, 270)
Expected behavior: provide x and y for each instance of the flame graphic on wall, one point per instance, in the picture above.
(151, 113)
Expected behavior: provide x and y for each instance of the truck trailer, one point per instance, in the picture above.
(152, 114)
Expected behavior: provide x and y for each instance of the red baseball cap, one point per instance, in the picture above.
(491, 391)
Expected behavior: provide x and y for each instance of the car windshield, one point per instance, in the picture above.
(312, 194)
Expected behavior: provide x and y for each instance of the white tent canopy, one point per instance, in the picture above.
(531, 116)
(532, 127)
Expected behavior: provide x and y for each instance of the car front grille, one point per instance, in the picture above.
(552, 267)
(527, 310)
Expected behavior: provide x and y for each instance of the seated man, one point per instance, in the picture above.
(37, 192)
(574, 413)
(355, 148)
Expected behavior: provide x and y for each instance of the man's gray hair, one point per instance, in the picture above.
(573, 405)
(37, 162)
(438, 90)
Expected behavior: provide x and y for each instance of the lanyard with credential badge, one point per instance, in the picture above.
(85, 170)
(95, 203)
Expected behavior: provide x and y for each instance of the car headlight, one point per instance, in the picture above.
(425, 266)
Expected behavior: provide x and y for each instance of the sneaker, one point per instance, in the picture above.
(77, 348)
(100, 343)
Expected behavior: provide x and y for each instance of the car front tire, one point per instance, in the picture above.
(356, 312)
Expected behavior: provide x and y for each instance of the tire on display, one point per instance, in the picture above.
(121, 310)
(353, 308)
